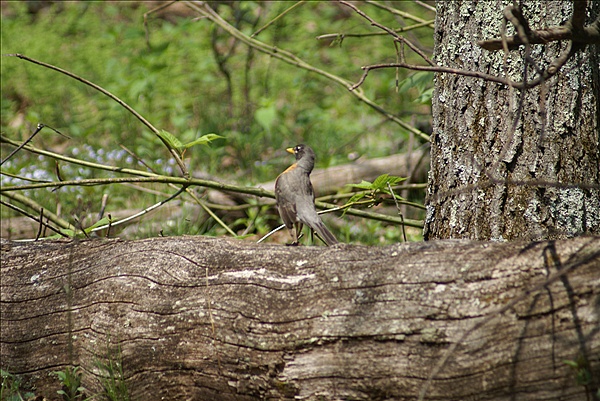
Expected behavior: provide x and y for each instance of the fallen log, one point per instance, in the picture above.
(220, 319)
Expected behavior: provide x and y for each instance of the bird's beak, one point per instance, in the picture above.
(290, 150)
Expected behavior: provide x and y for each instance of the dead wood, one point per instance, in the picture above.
(206, 319)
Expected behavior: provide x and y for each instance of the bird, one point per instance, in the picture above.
(295, 198)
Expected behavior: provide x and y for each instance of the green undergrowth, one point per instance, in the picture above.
(190, 78)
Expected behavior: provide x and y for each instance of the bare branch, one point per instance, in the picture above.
(32, 217)
(467, 73)
(578, 18)
(22, 199)
(574, 31)
(268, 24)
(364, 35)
(284, 55)
(400, 13)
(589, 35)
(391, 32)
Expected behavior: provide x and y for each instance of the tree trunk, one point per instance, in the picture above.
(215, 319)
(488, 181)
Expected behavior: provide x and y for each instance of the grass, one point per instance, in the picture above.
(11, 388)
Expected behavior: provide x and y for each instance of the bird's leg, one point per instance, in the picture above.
(294, 234)
(299, 233)
(319, 237)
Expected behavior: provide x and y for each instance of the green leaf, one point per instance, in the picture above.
(421, 81)
(170, 139)
(356, 197)
(570, 363)
(424, 97)
(102, 222)
(583, 377)
(363, 185)
(203, 140)
(61, 375)
(381, 182)
(67, 232)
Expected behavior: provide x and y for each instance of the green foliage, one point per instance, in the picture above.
(191, 77)
(70, 379)
(374, 190)
(113, 379)
(175, 143)
(11, 388)
(421, 82)
(581, 371)
(177, 84)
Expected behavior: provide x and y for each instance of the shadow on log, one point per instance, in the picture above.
(218, 319)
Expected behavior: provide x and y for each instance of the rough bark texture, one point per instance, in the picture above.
(487, 182)
(207, 319)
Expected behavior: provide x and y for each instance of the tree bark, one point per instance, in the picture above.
(206, 319)
(538, 179)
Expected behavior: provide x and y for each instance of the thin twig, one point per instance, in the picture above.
(22, 199)
(368, 34)
(155, 179)
(110, 220)
(389, 31)
(270, 233)
(37, 237)
(399, 211)
(146, 14)
(425, 5)
(283, 55)
(335, 209)
(150, 177)
(449, 70)
(38, 129)
(102, 206)
(589, 35)
(211, 213)
(136, 157)
(20, 177)
(140, 213)
(31, 216)
(400, 13)
(371, 215)
(268, 24)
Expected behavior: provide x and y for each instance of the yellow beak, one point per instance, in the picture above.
(290, 150)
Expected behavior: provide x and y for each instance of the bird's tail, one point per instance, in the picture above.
(324, 233)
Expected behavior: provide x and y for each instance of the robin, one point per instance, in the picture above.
(295, 197)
